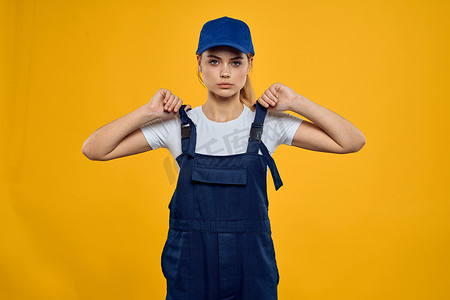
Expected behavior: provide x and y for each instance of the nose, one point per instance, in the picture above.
(225, 72)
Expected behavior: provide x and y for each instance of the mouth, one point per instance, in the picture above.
(225, 85)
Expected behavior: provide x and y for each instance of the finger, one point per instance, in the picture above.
(166, 96)
(166, 99)
(274, 89)
(271, 95)
(178, 105)
(262, 102)
(169, 102)
(268, 100)
(187, 107)
(174, 102)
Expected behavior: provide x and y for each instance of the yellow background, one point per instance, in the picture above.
(367, 225)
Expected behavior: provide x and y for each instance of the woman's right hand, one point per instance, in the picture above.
(123, 137)
(164, 104)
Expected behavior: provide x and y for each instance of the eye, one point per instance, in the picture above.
(212, 61)
(238, 63)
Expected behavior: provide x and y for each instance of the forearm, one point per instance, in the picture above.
(106, 138)
(342, 131)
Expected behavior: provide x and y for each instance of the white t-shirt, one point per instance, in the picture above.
(222, 138)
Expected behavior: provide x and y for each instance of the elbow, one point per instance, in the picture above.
(85, 151)
(355, 146)
(358, 145)
(361, 143)
(89, 154)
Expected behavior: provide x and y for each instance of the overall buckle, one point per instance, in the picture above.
(256, 131)
(185, 131)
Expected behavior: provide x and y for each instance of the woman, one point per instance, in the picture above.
(219, 243)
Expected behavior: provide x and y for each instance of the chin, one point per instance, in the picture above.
(226, 93)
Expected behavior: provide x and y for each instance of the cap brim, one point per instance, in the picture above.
(230, 44)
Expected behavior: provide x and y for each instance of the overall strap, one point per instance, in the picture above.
(255, 143)
(188, 132)
(256, 129)
(273, 167)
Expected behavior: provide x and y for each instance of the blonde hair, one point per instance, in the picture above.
(247, 94)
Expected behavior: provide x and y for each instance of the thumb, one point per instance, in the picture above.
(165, 95)
(277, 87)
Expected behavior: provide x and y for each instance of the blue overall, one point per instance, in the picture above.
(219, 243)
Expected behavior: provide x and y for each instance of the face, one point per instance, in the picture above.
(224, 64)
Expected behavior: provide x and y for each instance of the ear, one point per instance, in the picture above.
(250, 62)
(199, 62)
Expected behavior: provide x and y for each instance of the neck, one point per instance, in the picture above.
(222, 109)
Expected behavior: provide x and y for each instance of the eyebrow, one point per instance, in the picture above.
(237, 57)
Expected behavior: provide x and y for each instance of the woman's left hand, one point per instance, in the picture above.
(278, 97)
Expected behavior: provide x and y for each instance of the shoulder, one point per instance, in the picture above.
(194, 114)
(194, 111)
(281, 116)
(161, 126)
(278, 117)
(274, 115)
(249, 113)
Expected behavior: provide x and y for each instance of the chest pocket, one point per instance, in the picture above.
(220, 175)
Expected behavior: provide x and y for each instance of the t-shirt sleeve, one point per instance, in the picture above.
(284, 126)
(290, 125)
(158, 132)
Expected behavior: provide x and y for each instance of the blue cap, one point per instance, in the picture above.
(225, 31)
